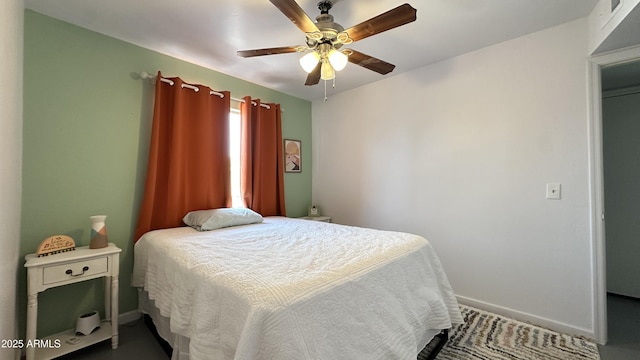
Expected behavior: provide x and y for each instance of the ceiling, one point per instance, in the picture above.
(209, 32)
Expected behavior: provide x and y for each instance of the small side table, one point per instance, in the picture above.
(67, 268)
(317, 218)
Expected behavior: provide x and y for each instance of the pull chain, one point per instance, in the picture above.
(325, 91)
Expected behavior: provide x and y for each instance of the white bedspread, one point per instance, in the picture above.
(296, 289)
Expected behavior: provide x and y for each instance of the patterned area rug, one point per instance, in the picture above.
(488, 336)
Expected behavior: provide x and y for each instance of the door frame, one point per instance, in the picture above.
(596, 183)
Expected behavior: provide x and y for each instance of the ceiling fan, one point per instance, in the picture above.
(325, 38)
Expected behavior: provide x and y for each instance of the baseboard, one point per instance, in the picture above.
(128, 317)
(624, 295)
(528, 318)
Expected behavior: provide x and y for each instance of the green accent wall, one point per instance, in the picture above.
(87, 121)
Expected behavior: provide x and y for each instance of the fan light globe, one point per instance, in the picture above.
(327, 72)
(309, 61)
(337, 59)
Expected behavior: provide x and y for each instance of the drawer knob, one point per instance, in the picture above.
(70, 272)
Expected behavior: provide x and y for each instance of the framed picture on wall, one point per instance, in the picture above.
(292, 156)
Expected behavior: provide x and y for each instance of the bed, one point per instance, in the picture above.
(285, 288)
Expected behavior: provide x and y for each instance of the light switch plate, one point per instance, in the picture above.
(553, 191)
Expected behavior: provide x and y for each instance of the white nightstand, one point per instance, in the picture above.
(68, 268)
(317, 218)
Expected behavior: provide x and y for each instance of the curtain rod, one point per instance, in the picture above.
(146, 75)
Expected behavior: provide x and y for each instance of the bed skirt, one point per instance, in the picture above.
(434, 339)
(179, 344)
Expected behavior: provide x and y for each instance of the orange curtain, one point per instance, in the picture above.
(261, 161)
(189, 161)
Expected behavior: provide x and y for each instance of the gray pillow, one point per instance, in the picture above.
(204, 220)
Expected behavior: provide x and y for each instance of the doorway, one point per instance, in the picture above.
(621, 174)
(621, 171)
(597, 201)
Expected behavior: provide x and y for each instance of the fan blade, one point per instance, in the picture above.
(314, 77)
(267, 51)
(393, 18)
(371, 63)
(294, 12)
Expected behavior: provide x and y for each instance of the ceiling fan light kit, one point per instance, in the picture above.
(324, 39)
(327, 72)
(309, 61)
(332, 61)
(337, 59)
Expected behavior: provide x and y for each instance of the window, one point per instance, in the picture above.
(234, 153)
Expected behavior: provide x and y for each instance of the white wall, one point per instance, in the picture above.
(460, 153)
(11, 30)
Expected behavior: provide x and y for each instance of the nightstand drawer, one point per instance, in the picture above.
(76, 270)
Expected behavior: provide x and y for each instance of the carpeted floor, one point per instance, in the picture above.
(487, 336)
